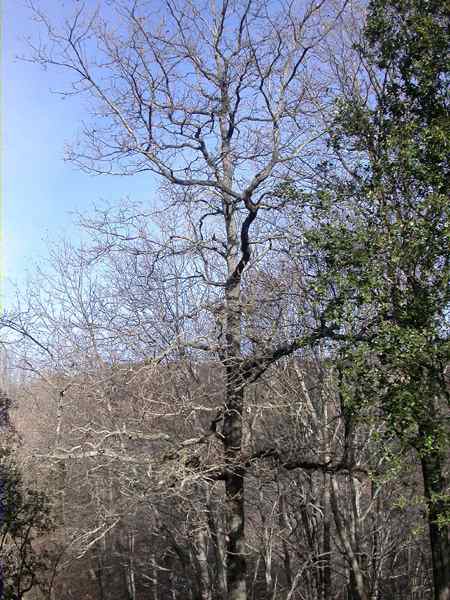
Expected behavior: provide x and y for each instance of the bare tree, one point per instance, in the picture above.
(222, 101)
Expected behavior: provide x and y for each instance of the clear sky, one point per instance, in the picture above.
(39, 189)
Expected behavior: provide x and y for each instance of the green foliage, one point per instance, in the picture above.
(381, 238)
(25, 517)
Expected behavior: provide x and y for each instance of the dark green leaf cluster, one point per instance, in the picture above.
(25, 517)
(381, 240)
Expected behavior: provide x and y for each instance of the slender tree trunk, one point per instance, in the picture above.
(326, 547)
(130, 571)
(284, 526)
(98, 574)
(200, 547)
(170, 566)
(154, 577)
(375, 563)
(357, 583)
(440, 551)
(219, 551)
(326, 583)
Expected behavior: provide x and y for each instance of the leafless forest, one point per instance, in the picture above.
(214, 395)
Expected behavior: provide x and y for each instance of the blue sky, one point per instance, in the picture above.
(39, 189)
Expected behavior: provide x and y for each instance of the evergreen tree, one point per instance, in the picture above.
(24, 516)
(380, 238)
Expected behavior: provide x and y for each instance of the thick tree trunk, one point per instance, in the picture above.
(234, 481)
(238, 255)
(440, 547)
(234, 493)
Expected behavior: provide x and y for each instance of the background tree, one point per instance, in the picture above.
(24, 521)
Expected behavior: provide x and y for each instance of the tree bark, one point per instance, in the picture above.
(238, 255)
(216, 533)
(284, 527)
(200, 548)
(440, 551)
(234, 494)
(326, 548)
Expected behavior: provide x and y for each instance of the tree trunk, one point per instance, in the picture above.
(326, 548)
(440, 551)
(216, 532)
(200, 548)
(130, 568)
(154, 577)
(284, 527)
(357, 584)
(234, 492)
(234, 392)
(376, 561)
